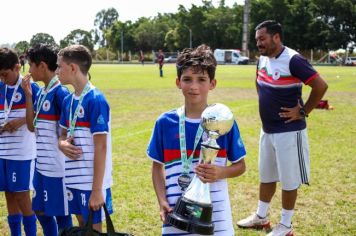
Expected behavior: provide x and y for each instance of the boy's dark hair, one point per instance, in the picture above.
(77, 54)
(200, 59)
(272, 27)
(8, 59)
(44, 52)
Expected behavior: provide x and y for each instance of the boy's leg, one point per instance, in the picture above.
(48, 223)
(64, 221)
(14, 222)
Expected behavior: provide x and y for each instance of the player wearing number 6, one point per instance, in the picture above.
(17, 146)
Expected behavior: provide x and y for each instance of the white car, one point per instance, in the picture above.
(350, 61)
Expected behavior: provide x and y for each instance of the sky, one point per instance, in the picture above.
(21, 19)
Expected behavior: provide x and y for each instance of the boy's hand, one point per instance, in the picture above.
(69, 149)
(26, 85)
(96, 200)
(164, 210)
(209, 173)
(14, 125)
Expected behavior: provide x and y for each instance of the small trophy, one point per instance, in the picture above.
(193, 211)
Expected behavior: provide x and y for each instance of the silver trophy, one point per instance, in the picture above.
(193, 211)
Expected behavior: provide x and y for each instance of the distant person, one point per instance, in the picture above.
(17, 146)
(160, 61)
(50, 201)
(142, 57)
(195, 77)
(85, 138)
(283, 151)
(22, 62)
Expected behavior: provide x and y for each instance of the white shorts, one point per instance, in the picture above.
(284, 157)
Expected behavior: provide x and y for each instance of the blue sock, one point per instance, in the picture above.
(48, 224)
(29, 223)
(15, 224)
(64, 222)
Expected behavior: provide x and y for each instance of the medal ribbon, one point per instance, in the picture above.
(186, 161)
(41, 98)
(73, 121)
(7, 108)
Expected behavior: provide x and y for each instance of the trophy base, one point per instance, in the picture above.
(191, 216)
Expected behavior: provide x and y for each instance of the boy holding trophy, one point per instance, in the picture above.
(85, 138)
(175, 145)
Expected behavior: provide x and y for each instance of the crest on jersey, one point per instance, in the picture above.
(46, 105)
(81, 112)
(240, 143)
(17, 97)
(276, 75)
(100, 120)
(69, 195)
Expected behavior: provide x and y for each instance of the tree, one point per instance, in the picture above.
(42, 38)
(78, 36)
(22, 47)
(103, 21)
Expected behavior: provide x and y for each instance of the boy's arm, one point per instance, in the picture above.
(26, 86)
(66, 146)
(209, 173)
(158, 179)
(96, 200)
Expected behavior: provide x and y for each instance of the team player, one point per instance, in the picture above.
(175, 155)
(85, 138)
(49, 200)
(17, 146)
(284, 152)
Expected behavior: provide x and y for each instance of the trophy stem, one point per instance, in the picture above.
(197, 191)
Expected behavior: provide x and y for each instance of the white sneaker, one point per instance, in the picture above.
(254, 222)
(281, 230)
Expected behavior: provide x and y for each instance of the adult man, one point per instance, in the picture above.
(284, 152)
(160, 62)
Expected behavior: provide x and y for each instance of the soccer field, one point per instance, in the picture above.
(137, 96)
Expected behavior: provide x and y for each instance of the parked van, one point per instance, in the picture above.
(230, 56)
(350, 61)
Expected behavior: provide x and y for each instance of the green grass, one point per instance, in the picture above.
(137, 96)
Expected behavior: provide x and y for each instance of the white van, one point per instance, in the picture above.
(230, 56)
(350, 61)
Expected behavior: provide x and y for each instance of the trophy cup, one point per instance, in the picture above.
(193, 211)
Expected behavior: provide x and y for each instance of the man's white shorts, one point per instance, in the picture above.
(284, 157)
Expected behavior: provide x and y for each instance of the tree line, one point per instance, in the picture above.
(307, 24)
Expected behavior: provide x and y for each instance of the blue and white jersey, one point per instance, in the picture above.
(93, 118)
(279, 82)
(164, 148)
(50, 160)
(21, 144)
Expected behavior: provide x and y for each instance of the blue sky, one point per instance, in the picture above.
(21, 19)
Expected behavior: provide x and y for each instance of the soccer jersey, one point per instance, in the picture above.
(164, 148)
(50, 160)
(20, 144)
(279, 82)
(93, 118)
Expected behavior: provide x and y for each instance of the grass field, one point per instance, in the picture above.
(137, 96)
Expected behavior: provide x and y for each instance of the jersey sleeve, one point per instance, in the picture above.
(99, 111)
(155, 147)
(65, 112)
(61, 93)
(236, 148)
(35, 91)
(302, 69)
